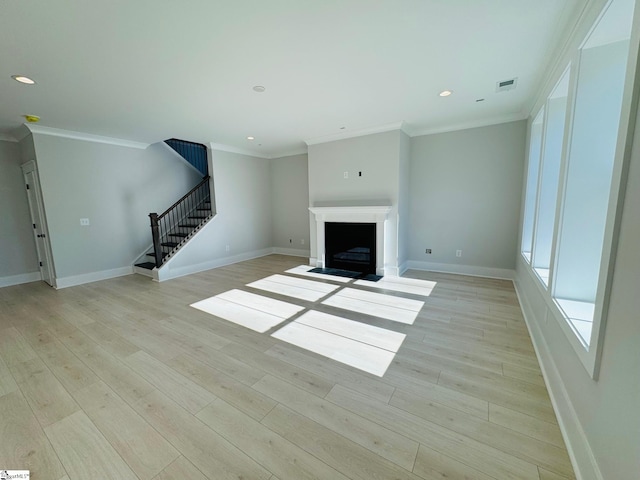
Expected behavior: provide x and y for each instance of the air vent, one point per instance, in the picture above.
(506, 85)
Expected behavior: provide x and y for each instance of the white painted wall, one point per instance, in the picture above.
(243, 219)
(377, 156)
(115, 187)
(18, 251)
(289, 204)
(466, 190)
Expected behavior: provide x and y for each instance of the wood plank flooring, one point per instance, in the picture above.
(123, 379)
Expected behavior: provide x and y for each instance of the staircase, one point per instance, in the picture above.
(174, 227)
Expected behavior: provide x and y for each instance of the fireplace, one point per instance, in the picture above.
(381, 254)
(350, 246)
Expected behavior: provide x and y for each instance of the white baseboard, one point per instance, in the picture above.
(294, 252)
(20, 279)
(471, 270)
(402, 268)
(74, 280)
(166, 273)
(580, 453)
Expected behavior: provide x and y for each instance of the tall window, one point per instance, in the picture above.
(602, 66)
(553, 136)
(576, 155)
(535, 144)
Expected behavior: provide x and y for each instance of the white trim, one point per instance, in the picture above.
(358, 133)
(5, 137)
(20, 279)
(294, 252)
(241, 151)
(57, 132)
(403, 268)
(485, 122)
(580, 453)
(74, 280)
(290, 153)
(355, 214)
(166, 273)
(471, 270)
(144, 271)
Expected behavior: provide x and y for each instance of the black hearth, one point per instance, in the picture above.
(350, 246)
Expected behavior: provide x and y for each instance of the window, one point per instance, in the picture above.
(576, 154)
(535, 143)
(553, 137)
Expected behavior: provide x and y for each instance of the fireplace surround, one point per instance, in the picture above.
(376, 215)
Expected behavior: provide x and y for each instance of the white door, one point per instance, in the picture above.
(38, 222)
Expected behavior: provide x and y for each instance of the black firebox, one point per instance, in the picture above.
(350, 246)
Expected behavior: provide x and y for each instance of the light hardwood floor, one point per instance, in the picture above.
(122, 379)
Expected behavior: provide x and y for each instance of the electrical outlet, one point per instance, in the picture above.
(428, 251)
(228, 248)
(302, 241)
(345, 175)
(84, 222)
(458, 253)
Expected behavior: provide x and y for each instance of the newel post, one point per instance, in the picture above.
(155, 233)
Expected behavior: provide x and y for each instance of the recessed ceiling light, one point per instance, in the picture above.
(251, 138)
(259, 88)
(23, 79)
(445, 93)
(342, 128)
(480, 100)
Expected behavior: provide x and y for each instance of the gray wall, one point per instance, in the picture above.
(243, 219)
(290, 202)
(18, 249)
(378, 158)
(466, 190)
(116, 187)
(404, 199)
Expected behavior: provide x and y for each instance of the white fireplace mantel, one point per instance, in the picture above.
(351, 214)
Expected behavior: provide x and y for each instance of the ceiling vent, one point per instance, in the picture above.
(506, 85)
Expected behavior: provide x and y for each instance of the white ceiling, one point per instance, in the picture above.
(147, 70)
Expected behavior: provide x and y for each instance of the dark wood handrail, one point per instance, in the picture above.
(204, 180)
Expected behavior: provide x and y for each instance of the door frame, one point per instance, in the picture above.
(47, 270)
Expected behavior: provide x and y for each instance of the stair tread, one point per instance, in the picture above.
(178, 234)
(147, 265)
(188, 225)
(164, 254)
(198, 216)
(169, 244)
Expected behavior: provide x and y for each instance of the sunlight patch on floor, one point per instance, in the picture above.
(294, 287)
(390, 307)
(248, 309)
(361, 346)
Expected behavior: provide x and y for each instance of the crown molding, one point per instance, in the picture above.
(253, 153)
(290, 153)
(241, 151)
(6, 137)
(486, 122)
(359, 133)
(58, 132)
